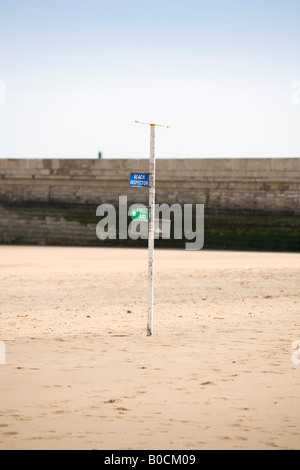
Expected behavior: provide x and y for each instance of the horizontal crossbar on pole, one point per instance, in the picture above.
(151, 124)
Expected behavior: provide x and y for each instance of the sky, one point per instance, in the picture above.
(75, 75)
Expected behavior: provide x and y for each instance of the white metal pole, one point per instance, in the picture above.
(151, 225)
(151, 231)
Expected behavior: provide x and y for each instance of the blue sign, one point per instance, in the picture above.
(139, 179)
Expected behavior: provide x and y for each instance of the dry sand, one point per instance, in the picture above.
(82, 374)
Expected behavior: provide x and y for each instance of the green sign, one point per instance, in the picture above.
(140, 213)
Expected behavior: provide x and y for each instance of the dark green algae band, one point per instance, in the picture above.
(222, 231)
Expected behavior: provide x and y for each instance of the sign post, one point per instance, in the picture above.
(151, 225)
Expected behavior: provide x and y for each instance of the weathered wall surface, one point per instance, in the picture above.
(269, 185)
(29, 229)
(249, 203)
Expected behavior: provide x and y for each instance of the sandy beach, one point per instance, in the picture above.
(81, 373)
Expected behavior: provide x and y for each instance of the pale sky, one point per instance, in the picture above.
(75, 75)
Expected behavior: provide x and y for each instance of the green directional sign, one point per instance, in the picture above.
(140, 213)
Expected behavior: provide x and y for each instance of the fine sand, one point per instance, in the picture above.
(81, 373)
